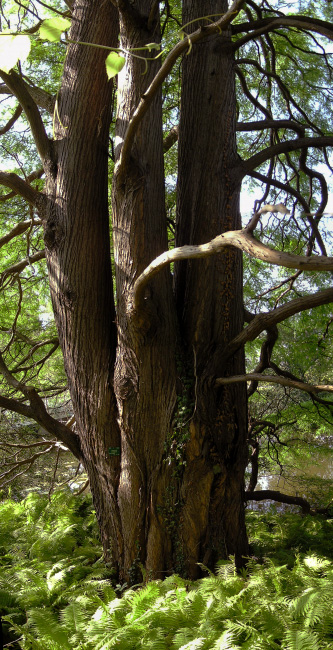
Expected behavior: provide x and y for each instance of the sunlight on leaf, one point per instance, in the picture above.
(13, 48)
(316, 563)
(52, 28)
(153, 46)
(114, 63)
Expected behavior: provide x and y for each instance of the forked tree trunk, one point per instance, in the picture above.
(174, 497)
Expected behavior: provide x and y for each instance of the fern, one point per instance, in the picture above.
(300, 640)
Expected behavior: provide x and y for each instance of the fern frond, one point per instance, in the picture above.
(300, 640)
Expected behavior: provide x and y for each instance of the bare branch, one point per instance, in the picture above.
(274, 495)
(242, 239)
(170, 139)
(19, 266)
(12, 120)
(264, 321)
(285, 147)
(285, 187)
(259, 27)
(272, 379)
(260, 125)
(37, 411)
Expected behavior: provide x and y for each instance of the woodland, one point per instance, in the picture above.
(166, 321)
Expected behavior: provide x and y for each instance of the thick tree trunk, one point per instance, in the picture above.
(168, 489)
(78, 253)
(145, 367)
(209, 299)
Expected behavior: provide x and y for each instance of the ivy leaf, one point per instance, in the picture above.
(114, 63)
(13, 48)
(52, 28)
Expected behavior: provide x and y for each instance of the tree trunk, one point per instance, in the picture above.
(78, 253)
(209, 298)
(145, 366)
(164, 450)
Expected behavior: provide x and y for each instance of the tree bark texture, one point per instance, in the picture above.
(209, 297)
(145, 366)
(77, 247)
(175, 495)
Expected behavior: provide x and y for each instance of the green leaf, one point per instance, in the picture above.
(114, 63)
(52, 28)
(153, 46)
(13, 48)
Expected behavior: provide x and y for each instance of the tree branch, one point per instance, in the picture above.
(265, 25)
(180, 48)
(274, 495)
(242, 239)
(12, 120)
(19, 186)
(264, 321)
(18, 230)
(260, 125)
(17, 86)
(285, 147)
(272, 379)
(41, 97)
(170, 139)
(19, 266)
(285, 187)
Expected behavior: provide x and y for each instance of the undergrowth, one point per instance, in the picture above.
(57, 594)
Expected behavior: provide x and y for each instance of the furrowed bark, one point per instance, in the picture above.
(209, 300)
(76, 233)
(145, 366)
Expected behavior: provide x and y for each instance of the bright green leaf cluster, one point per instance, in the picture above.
(52, 28)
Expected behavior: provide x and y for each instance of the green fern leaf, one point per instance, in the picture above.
(300, 640)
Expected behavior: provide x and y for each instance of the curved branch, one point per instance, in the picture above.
(37, 411)
(274, 495)
(291, 190)
(241, 239)
(19, 266)
(265, 320)
(12, 120)
(18, 230)
(17, 86)
(285, 147)
(272, 379)
(170, 139)
(179, 49)
(19, 186)
(50, 424)
(265, 25)
(260, 125)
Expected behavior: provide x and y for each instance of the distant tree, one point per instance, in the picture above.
(156, 367)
